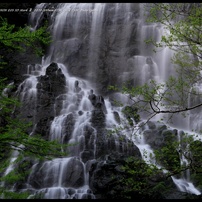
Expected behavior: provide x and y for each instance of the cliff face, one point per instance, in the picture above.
(65, 95)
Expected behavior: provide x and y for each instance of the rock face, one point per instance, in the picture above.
(67, 98)
(41, 100)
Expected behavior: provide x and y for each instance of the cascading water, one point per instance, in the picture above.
(11, 166)
(94, 45)
(67, 172)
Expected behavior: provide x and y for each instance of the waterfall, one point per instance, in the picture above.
(66, 97)
(11, 165)
(75, 105)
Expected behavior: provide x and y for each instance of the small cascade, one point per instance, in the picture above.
(185, 186)
(6, 90)
(9, 169)
(145, 149)
(12, 159)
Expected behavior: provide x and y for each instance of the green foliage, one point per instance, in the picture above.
(14, 38)
(131, 114)
(19, 38)
(143, 180)
(115, 130)
(196, 152)
(168, 157)
(196, 178)
(13, 195)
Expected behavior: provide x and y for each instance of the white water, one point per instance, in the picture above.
(9, 169)
(74, 100)
(185, 186)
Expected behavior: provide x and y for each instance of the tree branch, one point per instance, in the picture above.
(176, 111)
